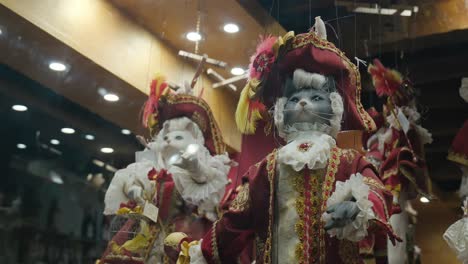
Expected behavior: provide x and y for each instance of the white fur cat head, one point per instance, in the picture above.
(175, 136)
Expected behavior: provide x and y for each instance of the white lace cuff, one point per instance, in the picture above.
(344, 191)
(196, 254)
(456, 237)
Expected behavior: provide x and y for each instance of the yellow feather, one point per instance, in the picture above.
(245, 124)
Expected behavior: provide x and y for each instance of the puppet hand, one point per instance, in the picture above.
(341, 214)
(135, 193)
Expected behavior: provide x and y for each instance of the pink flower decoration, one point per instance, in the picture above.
(263, 58)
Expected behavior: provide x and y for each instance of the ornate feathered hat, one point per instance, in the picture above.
(277, 58)
(163, 104)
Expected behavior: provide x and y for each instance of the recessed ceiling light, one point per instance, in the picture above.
(237, 71)
(19, 108)
(231, 28)
(415, 9)
(111, 97)
(423, 200)
(193, 36)
(107, 150)
(89, 137)
(406, 13)
(21, 146)
(54, 141)
(126, 132)
(57, 66)
(68, 130)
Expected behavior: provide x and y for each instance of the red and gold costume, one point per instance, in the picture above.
(254, 215)
(144, 244)
(251, 215)
(398, 152)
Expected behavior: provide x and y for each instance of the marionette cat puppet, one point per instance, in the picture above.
(307, 200)
(179, 174)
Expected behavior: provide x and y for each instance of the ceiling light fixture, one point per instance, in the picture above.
(107, 150)
(110, 97)
(54, 141)
(406, 13)
(21, 146)
(89, 137)
(126, 132)
(57, 66)
(193, 36)
(424, 200)
(415, 9)
(68, 130)
(375, 10)
(237, 71)
(231, 28)
(19, 108)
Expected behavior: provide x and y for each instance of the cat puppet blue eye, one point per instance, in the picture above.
(179, 137)
(316, 98)
(294, 99)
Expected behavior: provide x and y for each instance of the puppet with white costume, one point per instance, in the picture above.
(308, 201)
(456, 235)
(397, 150)
(177, 182)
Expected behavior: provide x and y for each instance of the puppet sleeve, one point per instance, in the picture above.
(229, 235)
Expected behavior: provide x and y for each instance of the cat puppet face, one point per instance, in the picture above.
(308, 105)
(174, 138)
(310, 102)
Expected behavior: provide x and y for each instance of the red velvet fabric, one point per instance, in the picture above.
(458, 152)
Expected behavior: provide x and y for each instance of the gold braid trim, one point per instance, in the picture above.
(387, 215)
(458, 158)
(214, 244)
(242, 200)
(298, 185)
(374, 183)
(332, 168)
(271, 166)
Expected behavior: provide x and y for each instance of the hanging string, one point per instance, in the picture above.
(310, 14)
(197, 29)
(380, 30)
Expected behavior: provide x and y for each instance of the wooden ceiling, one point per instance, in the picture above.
(171, 20)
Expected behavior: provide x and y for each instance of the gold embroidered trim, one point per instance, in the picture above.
(387, 215)
(214, 244)
(309, 212)
(332, 168)
(389, 173)
(242, 200)
(298, 185)
(457, 157)
(271, 166)
(374, 183)
(200, 120)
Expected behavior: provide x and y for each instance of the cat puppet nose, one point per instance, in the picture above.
(302, 103)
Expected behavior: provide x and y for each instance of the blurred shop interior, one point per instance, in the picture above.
(74, 75)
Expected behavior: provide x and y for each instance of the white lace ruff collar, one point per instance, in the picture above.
(311, 148)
